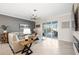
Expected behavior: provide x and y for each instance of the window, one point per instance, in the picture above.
(26, 31)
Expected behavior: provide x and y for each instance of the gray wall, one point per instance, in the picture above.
(13, 23)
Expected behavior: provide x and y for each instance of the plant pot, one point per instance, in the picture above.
(5, 31)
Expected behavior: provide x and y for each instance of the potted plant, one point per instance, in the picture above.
(4, 27)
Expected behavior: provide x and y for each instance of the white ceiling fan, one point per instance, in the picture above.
(35, 15)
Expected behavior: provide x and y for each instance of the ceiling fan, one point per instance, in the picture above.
(35, 15)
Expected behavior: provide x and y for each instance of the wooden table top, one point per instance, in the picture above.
(23, 42)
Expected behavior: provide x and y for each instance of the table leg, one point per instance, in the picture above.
(27, 49)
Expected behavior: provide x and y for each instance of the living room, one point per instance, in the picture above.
(51, 22)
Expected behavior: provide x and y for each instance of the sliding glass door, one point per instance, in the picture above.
(50, 29)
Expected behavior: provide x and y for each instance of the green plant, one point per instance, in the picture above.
(4, 27)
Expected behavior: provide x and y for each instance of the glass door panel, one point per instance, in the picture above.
(54, 29)
(50, 29)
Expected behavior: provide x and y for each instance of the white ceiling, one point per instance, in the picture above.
(25, 10)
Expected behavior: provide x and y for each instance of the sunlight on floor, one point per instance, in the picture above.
(51, 43)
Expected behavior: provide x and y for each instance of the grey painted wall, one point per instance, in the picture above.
(13, 23)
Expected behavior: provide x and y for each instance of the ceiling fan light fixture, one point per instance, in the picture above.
(35, 10)
(34, 15)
